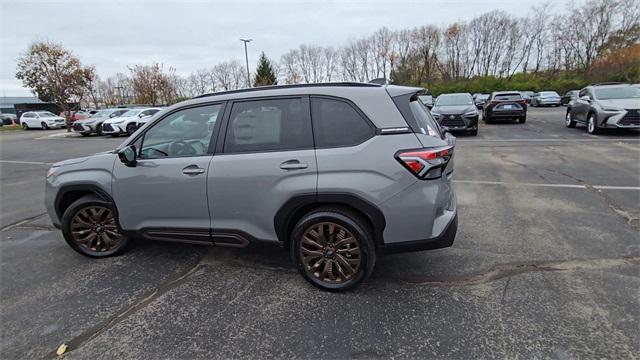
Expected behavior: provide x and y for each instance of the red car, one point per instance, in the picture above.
(76, 115)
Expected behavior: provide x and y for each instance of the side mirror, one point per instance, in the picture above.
(127, 155)
(585, 98)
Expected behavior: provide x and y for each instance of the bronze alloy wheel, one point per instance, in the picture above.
(94, 229)
(330, 253)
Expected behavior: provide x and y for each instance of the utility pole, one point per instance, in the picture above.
(246, 57)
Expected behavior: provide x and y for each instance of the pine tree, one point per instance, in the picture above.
(264, 73)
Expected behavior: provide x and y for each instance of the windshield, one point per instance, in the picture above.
(627, 92)
(425, 98)
(451, 100)
(548, 93)
(46, 114)
(131, 113)
(482, 97)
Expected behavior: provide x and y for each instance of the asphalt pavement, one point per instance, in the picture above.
(546, 264)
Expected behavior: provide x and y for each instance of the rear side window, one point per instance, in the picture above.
(337, 123)
(427, 123)
(268, 125)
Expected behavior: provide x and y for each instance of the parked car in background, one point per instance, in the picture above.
(571, 95)
(93, 124)
(75, 115)
(546, 98)
(505, 105)
(371, 174)
(480, 100)
(8, 119)
(127, 122)
(605, 106)
(527, 95)
(457, 112)
(44, 120)
(426, 100)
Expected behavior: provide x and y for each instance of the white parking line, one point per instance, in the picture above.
(549, 139)
(566, 186)
(25, 162)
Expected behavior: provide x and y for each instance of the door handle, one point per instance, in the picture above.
(192, 170)
(293, 165)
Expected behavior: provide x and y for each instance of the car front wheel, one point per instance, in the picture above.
(25, 126)
(44, 126)
(90, 227)
(568, 120)
(131, 128)
(333, 249)
(592, 125)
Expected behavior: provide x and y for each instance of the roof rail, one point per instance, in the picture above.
(291, 86)
(608, 83)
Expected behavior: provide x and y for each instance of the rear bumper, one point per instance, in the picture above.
(445, 239)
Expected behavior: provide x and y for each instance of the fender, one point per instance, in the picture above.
(292, 210)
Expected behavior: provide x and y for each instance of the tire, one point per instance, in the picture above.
(522, 120)
(115, 135)
(568, 120)
(131, 128)
(44, 126)
(592, 124)
(100, 225)
(85, 134)
(332, 273)
(25, 126)
(99, 130)
(473, 132)
(487, 119)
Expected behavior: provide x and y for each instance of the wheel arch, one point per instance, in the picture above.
(70, 193)
(296, 207)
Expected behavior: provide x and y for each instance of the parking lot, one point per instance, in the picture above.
(545, 264)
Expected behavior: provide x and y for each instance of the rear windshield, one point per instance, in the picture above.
(508, 97)
(627, 92)
(549, 93)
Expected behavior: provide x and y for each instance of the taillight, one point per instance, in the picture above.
(426, 163)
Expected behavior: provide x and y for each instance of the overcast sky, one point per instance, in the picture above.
(189, 35)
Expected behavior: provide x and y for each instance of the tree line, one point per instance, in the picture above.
(597, 40)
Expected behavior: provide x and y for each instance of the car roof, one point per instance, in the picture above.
(506, 92)
(455, 94)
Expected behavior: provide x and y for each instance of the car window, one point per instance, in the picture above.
(28, 115)
(268, 125)
(428, 125)
(184, 133)
(508, 97)
(337, 123)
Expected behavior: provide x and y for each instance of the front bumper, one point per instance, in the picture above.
(458, 122)
(84, 128)
(627, 119)
(109, 129)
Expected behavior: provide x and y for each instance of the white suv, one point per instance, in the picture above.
(126, 123)
(41, 119)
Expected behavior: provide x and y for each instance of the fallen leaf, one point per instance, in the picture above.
(61, 349)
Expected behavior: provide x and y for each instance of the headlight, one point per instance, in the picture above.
(51, 172)
(435, 114)
(471, 113)
(117, 122)
(611, 109)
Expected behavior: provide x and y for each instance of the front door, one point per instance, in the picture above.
(165, 194)
(267, 158)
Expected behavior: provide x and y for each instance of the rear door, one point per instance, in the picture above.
(266, 158)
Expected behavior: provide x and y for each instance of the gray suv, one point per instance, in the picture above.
(603, 106)
(338, 174)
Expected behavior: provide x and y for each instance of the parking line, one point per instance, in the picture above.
(566, 186)
(25, 162)
(547, 140)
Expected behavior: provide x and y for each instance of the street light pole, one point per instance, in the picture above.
(246, 57)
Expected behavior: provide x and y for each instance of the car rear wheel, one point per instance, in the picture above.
(333, 249)
(44, 126)
(90, 227)
(592, 124)
(568, 120)
(522, 120)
